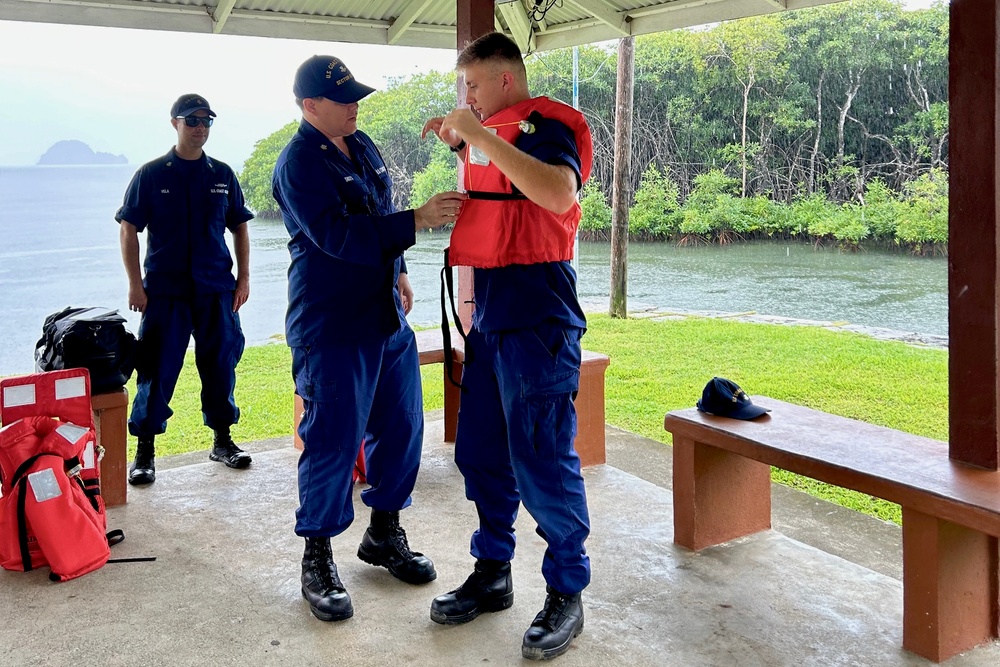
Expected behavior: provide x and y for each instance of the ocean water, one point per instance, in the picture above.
(59, 247)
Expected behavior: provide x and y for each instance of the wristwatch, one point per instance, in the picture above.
(460, 147)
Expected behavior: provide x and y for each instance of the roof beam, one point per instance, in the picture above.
(221, 15)
(617, 21)
(409, 14)
(518, 23)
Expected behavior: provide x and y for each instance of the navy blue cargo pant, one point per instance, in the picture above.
(348, 390)
(164, 333)
(516, 427)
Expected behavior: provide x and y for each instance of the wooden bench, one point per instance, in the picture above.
(590, 440)
(951, 511)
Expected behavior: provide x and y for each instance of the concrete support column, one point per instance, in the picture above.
(950, 592)
(718, 496)
(973, 240)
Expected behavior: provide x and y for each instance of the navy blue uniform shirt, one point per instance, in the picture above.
(524, 295)
(185, 206)
(346, 239)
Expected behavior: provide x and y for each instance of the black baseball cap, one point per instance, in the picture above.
(725, 398)
(188, 104)
(326, 76)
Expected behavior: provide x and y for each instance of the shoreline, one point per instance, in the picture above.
(643, 311)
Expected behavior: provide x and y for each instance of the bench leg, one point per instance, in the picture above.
(452, 398)
(590, 437)
(718, 496)
(950, 587)
(111, 425)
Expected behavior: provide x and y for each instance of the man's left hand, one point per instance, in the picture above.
(405, 293)
(241, 294)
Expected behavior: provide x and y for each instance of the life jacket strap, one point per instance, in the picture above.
(22, 525)
(494, 196)
(448, 298)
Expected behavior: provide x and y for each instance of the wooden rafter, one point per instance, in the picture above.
(516, 18)
(615, 20)
(406, 19)
(221, 14)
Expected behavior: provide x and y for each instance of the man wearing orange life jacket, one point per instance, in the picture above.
(525, 162)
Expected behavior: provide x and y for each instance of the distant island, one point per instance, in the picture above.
(72, 151)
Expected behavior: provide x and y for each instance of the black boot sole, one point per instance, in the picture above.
(499, 604)
(141, 479)
(373, 558)
(343, 616)
(238, 464)
(534, 653)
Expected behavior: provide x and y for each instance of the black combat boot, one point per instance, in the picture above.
(489, 588)
(321, 585)
(385, 544)
(226, 451)
(555, 627)
(143, 470)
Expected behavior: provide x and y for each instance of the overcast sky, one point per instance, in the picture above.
(112, 88)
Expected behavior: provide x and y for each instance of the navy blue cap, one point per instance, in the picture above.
(724, 398)
(326, 76)
(188, 104)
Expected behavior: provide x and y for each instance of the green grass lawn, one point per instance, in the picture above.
(657, 366)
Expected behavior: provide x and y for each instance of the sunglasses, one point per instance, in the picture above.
(192, 121)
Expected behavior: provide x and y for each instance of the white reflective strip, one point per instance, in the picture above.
(71, 388)
(88, 456)
(72, 432)
(22, 394)
(44, 485)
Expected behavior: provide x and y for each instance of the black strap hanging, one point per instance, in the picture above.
(22, 525)
(448, 298)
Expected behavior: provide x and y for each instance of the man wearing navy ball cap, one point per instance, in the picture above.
(354, 358)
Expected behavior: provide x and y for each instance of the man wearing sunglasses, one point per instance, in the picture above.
(185, 201)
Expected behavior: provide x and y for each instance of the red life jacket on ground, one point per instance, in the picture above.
(51, 510)
(498, 227)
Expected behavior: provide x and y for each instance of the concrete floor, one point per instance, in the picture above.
(224, 587)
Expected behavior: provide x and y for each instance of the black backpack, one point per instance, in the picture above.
(91, 338)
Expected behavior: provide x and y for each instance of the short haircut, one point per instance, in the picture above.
(492, 47)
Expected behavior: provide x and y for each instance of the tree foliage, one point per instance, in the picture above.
(655, 203)
(837, 113)
(595, 220)
(439, 175)
(257, 170)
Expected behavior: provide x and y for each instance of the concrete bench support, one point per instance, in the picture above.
(718, 496)
(110, 421)
(949, 586)
(951, 511)
(590, 438)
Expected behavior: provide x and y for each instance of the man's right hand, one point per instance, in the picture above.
(439, 210)
(137, 299)
(434, 125)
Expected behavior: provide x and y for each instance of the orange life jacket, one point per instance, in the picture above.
(51, 510)
(498, 227)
